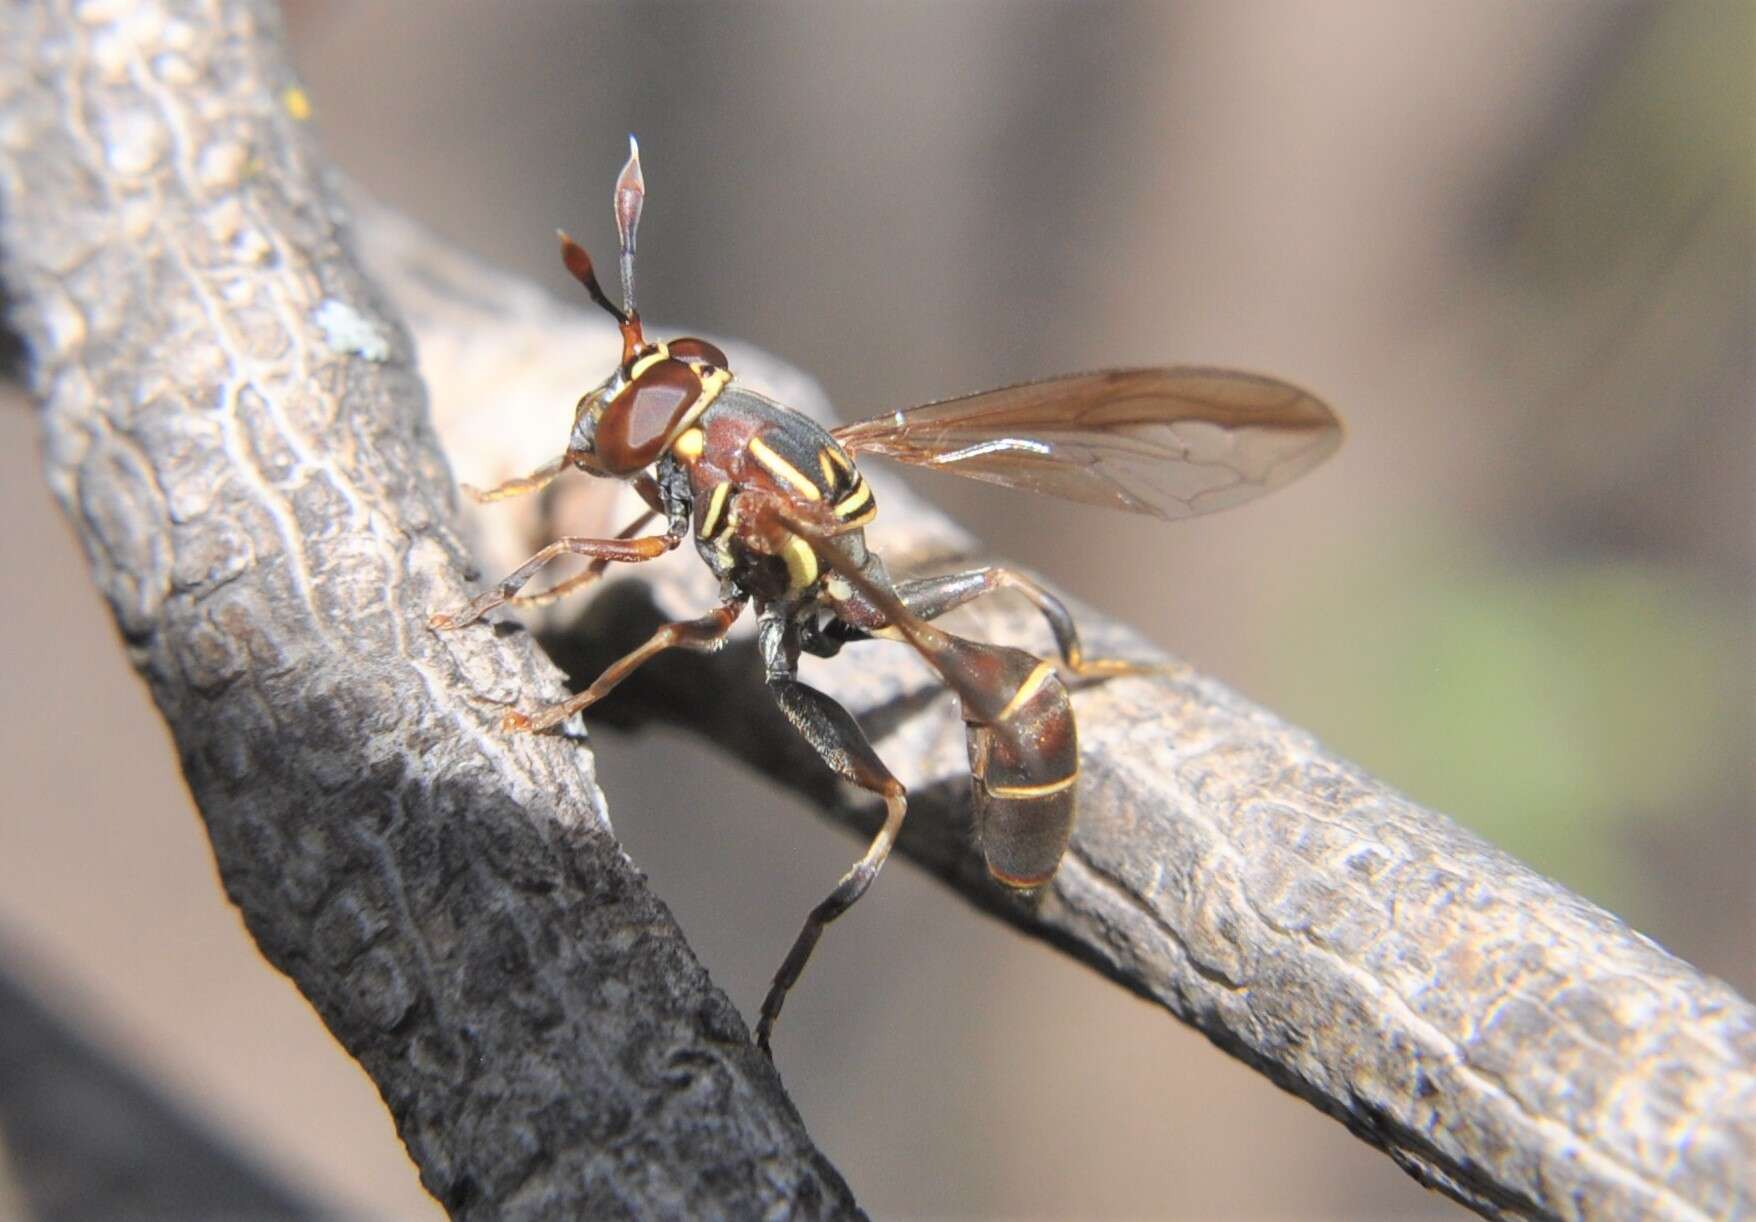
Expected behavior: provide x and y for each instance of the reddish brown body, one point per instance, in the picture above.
(777, 507)
(1025, 765)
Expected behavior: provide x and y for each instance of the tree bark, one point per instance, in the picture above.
(236, 429)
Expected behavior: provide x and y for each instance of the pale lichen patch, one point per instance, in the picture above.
(135, 142)
(346, 330)
(173, 69)
(221, 165)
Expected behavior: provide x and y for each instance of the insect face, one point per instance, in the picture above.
(628, 423)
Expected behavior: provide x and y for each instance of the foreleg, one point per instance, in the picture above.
(542, 477)
(619, 550)
(592, 572)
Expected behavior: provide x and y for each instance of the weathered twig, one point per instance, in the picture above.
(1503, 1040)
(235, 427)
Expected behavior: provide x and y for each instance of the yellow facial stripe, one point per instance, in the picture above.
(711, 385)
(840, 459)
(1032, 791)
(801, 562)
(1026, 690)
(659, 352)
(827, 467)
(716, 508)
(689, 444)
(783, 470)
(853, 501)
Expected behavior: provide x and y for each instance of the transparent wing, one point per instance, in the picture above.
(1168, 442)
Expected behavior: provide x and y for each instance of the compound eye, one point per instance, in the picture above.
(641, 418)
(698, 350)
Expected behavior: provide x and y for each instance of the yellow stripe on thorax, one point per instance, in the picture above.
(783, 470)
(854, 501)
(716, 507)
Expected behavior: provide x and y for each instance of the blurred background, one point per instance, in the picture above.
(1510, 242)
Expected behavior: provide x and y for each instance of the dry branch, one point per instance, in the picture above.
(236, 430)
(249, 473)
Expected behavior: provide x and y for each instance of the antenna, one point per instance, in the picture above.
(579, 263)
(630, 194)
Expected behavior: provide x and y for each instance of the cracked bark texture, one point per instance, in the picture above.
(436, 890)
(235, 427)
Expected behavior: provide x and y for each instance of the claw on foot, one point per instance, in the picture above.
(515, 723)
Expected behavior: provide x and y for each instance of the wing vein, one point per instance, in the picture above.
(1170, 442)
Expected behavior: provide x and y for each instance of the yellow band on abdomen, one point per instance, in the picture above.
(1031, 791)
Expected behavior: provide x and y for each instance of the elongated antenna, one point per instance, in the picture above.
(630, 194)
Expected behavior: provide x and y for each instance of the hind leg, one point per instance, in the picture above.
(931, 597)
(838, 738)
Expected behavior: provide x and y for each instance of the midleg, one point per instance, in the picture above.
(838, 738)
(592, 572)
(930, 597)
(705, 633)
(626, 550)
(649, 492)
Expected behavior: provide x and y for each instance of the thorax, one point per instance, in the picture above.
(751, 466)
